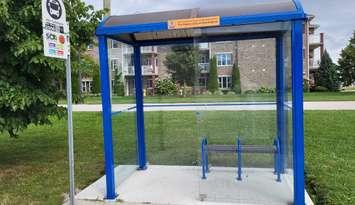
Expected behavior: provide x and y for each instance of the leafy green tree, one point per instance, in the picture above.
(118, 86)
(347, 63)
(236, 86)
(182, 63)
(213, 77)
(29, 81)
(327, 75)
(165, 87)
(96, 86)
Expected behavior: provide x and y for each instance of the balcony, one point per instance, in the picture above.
(204, 67)
(313, 65)
(145, 50)
(204, 46)
(146, 70)
(149, 49)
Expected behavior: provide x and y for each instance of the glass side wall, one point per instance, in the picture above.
(170, 120)
(224, 92)
(248, 141)
(123, 109)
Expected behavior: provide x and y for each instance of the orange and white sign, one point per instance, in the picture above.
(194, 22)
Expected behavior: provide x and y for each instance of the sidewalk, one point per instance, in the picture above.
(332, 105)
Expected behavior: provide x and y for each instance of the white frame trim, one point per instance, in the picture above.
(220, 53)
(112, 44)
(224, 76)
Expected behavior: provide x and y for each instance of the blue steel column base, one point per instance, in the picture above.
(239, 159)
(142, 168)
(111, 199)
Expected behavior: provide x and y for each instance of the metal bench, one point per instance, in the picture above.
(239, 149)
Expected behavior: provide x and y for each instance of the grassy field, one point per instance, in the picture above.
(33, 168)
(320, 96)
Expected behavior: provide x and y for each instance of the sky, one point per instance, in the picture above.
(336, 18)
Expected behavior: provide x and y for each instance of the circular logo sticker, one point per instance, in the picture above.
(61, 39)
(54, 9)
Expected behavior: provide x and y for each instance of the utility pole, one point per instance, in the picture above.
(107, 5)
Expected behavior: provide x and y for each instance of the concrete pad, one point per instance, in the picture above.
(182, 185)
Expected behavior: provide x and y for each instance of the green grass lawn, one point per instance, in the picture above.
(33, 168)
(320, 96)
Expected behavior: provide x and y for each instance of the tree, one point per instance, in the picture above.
(327, 75)
(28, 80)
(182, 63)
(96, 86)
(347, 63)
(213, 78)
(118, 86)
(236, 86)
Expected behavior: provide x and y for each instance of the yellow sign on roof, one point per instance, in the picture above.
(194, 22)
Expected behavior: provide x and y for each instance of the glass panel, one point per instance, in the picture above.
(232, 104)
(123, 111)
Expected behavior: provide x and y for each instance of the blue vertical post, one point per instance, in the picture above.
(203, 158)
(239, 159)
(141, 152)
(280, 92)
(297, 114)
(275, 156)
(206, 156)
(106, 118)
(278, 160)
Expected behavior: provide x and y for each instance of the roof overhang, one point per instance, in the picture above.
(149, 27)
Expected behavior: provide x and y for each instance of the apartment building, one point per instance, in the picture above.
(255, 59)
(313, 48)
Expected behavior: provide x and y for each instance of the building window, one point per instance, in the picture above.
(114, 65)
(204, 46)
(203, 82)
(86, 86)
(224, 59)
(114, 44)
(225, 82)
(90, 47)
(147, 61)
(204, 58)
(149, 83)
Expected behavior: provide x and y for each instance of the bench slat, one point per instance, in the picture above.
(258, 149)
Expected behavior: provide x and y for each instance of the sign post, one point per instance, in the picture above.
(56, 44)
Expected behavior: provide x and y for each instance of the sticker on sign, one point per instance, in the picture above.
(55, 29)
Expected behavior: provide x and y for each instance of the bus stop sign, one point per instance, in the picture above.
(55, 29)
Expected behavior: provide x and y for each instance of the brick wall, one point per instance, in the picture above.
(256, 60)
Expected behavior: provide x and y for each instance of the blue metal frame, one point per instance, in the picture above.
(297, 17)
(141, 151)
(203, 157)
(278, 160)
(297, 114)
(280, 99)
(107, 121)
(239, 159)
(225, 21)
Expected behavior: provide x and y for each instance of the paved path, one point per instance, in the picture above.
(332, 105)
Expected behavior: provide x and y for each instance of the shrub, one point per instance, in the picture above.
(236, 85)
(320, 89)
(250, 92)
(265, 90)
(118, 87)
(165, 87)
(213, 78)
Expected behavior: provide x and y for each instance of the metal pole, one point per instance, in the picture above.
(70, 132)
(297, 113)
(142, 161)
